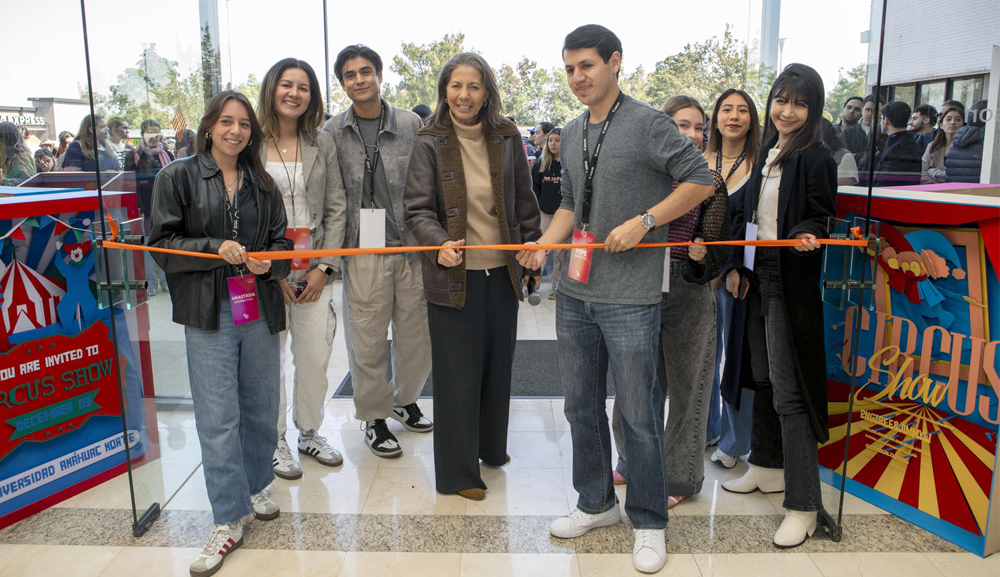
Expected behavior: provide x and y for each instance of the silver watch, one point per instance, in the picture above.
(648, 221)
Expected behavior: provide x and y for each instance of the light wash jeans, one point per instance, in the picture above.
(736, 425)
(234, 385)
(592, 337)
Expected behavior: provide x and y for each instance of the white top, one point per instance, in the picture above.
(284, 174)
(767, 206)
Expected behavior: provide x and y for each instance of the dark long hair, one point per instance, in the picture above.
(940, 138)
(797, 82)
(490, 113)
(87, 135)
(10, 136)
(751, 143)
(250, 155)
(311, 119)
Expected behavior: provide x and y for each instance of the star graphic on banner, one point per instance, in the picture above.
(39, 347)
(70, 425)
(60, 429)
(48, 433)
(52, 345)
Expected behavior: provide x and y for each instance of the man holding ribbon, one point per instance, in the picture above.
(620, 161)
(373, 144)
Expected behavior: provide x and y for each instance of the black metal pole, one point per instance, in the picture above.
(864, 270)
(326, 58)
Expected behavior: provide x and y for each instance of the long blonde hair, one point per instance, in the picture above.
(547, 157)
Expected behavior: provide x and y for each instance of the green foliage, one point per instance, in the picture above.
(418, 66)
(531, 94)
(853, 84)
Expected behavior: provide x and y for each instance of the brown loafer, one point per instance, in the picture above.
(473, 494)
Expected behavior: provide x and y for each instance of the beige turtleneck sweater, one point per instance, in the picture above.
(481, 212)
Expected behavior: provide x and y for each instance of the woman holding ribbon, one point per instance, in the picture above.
(733, 141)
(468, 182)
(790, 196)
(303, 164)
(222, 201)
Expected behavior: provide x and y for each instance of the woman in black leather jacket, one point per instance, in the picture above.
(223, 201)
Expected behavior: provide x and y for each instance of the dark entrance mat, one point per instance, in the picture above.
(535, 373)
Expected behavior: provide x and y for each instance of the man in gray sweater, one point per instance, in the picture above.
(608, 311)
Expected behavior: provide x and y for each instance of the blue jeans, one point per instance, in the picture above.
(234, 385)
(592, 337)
(736, 425)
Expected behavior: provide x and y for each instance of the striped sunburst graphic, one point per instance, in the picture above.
(915, 454)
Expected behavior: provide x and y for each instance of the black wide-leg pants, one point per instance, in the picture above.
(472, 350)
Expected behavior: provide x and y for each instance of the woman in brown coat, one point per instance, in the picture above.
(469, 184)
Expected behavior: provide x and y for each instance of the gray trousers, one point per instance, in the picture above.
(686, 370)
(383, 291)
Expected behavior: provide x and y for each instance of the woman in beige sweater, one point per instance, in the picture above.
(468, 184)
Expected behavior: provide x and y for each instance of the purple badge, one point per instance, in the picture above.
(243, 297)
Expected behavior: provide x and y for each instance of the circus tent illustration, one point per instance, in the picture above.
(29, 299)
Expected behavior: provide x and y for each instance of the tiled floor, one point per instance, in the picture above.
(382, 517)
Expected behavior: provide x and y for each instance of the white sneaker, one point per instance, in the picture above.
(797, 526)
(263, 507)
(283, 462)
(223, 540)
(723, 459)
(767, 480)
(317, 448)
(578, 523)
(649, 554)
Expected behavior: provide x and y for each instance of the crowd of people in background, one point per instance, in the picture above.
(654, 323)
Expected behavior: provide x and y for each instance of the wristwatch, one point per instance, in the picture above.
(648, 221)
(327, 269)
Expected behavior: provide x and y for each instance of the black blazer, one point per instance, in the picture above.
(806, 200)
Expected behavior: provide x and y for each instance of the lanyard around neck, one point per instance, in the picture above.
(590, 162)
(718, 163)
(371, 162)
(293, 177)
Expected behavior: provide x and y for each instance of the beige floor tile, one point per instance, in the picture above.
(519, 565)
(621, 565)
(521, 492)
(154, 562)
(864, 564)
(965, 564)
(409, 564)
(558, 417)
(418, 449)
(410, 492)
(193, 496)
(248, 562)
(349, 440)
(530, 415)
(155, 481)
(757, 565)
(324, 489)
(534, 451)
(55, 561)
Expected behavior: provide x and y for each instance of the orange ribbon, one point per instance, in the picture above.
(320, 253)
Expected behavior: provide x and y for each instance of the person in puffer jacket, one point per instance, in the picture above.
(965, 157)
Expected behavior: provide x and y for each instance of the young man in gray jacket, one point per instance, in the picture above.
(373, 144)
(620, 160)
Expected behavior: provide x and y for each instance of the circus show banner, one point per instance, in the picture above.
(924, 426)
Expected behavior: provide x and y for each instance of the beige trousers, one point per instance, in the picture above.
(383, 292)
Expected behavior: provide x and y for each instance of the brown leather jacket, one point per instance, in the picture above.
(435, 203)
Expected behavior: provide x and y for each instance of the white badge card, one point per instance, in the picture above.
(666, 271)
(750, 252)
(372, 234)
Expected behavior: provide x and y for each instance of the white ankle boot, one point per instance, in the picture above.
(795, 528)
(767, 480)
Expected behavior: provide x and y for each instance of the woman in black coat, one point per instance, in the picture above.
(791, 195)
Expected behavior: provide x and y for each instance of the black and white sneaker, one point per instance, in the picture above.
(412, 418)
(380, 440)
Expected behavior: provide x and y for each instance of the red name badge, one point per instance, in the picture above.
(300, 240)
(243, 298)
(579, 259)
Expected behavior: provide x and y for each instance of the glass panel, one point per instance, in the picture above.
(904, 93)
(932, 93)
(967, 90)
